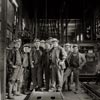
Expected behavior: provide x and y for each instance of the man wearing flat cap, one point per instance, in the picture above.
(46, 64)
(36, 57)
(58, 57)
(14, 61)
(50, 42)
(42, 48)
(67, 73)
(26, 62)
(77, 61)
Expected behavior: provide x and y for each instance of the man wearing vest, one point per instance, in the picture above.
(77, 61)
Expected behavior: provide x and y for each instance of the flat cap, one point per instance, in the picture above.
(47, 41)
(27, 45)
(75, 45)
(50, 38)
(55, 40)
(42, 41)
(36, 40)
(67, 44)
(17, 40)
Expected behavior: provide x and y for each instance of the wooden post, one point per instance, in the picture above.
(35, 19)
(3, 49)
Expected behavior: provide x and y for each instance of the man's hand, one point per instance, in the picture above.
(14, 66)
(61, 63)
(80, 68)
(32, 66)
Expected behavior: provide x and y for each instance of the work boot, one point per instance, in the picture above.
(69, 89)
(76, 91)
(19, 85)
(10, 96)
(52, 90)
(58, 90)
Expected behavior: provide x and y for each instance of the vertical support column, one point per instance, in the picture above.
(75, 32)
(35, 19)
(36, 34)
(20, 16)
(62, 31)
(3, 49)
(46, 18)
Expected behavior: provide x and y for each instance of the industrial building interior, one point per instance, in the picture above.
(70, 21)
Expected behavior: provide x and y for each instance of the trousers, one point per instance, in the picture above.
(75, 74)
(37, 76)
(56, 77)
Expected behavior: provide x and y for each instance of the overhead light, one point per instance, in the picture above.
(15, 3)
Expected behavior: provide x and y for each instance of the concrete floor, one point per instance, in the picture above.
(22, 97)
(66, 96)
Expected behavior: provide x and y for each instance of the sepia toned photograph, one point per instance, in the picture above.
(49, 49)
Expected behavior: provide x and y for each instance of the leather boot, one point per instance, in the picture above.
(19, 84)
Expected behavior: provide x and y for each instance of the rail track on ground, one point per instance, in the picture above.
(90, 91)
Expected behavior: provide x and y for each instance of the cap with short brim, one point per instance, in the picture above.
(67, 44)
(75, 45)
(27, 45)
(17, 40)
(55, 40)
(42, 41)
(36, 40)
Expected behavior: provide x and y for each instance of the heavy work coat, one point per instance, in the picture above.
(58, 55)
(14, 73)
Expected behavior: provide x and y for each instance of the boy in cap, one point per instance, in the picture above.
(42, 48)
(42, 44)
(77, 61)
(15, 66)
(46, 65)
(50, 42)
(36, 57)
(67, 73)
(27, 68)
(58, 56)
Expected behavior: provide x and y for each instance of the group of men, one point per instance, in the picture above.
(43, 64)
